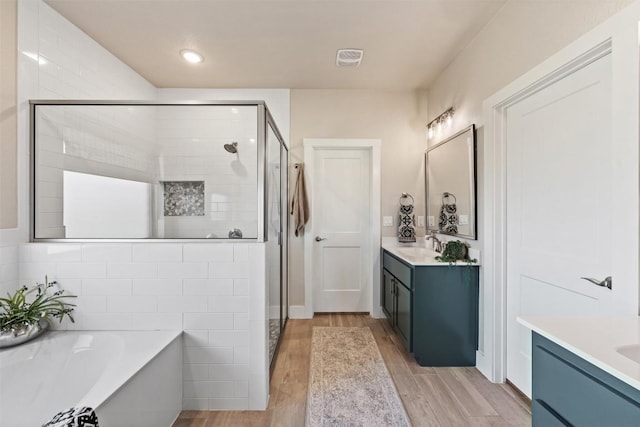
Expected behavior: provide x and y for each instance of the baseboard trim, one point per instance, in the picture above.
(274, 312)
(301, 312)
(521, 395)
(298, 312)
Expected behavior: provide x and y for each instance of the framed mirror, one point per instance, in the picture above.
(450, 183)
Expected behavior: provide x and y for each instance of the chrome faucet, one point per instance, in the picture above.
(437, 244)
(235, 233)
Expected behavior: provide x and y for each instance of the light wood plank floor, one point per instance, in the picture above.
(431, 396)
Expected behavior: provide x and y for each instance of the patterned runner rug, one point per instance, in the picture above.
(349, 384)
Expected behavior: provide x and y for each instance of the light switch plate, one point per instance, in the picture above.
(420, 221)
(463, 219)
(431, 221)
(387, 221)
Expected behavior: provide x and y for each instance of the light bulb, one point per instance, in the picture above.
(439, 126)
(191, 56)
(449, 120)
(430, 132)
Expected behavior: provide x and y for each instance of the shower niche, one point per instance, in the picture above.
(168, 172)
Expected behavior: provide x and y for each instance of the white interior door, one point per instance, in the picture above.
(341, 226)
(560, 209)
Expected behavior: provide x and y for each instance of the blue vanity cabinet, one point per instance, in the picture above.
(434, 309)
(445, 315)
(396, 296)
(569, 391)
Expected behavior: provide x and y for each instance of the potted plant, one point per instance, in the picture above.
(455, 251)
(27, 313)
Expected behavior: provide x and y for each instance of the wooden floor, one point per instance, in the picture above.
(431, 396)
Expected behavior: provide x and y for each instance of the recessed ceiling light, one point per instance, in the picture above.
(191, 56)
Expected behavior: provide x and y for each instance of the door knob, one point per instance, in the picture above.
(606, 283)
(319, 239)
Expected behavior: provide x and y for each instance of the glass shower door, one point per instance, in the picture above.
(274, 235)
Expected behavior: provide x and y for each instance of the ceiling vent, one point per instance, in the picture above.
(349, 57)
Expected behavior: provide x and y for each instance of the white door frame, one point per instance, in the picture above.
(619, 35)
(311, 145)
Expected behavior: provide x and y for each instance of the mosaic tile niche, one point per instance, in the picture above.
(183, 198)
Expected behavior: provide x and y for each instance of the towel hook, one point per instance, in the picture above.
(406, 196)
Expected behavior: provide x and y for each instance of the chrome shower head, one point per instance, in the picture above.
(231, 148)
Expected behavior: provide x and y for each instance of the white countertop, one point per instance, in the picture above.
(417, 255)
(595, 339)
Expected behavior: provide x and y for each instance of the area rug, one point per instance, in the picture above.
(349, 384)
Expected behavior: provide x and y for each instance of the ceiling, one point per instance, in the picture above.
(283, 44)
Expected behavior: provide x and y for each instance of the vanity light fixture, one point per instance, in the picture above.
(191, 56)
(437, 123)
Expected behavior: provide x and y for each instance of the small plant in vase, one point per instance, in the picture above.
(28, 312)
(455, 251)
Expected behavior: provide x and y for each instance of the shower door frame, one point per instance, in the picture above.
(284, 224)
(263, 117)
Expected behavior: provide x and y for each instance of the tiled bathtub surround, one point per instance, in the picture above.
(215, 292)
(207, 289)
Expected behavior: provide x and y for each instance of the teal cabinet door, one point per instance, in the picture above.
(403, 313)
(387, 295)
(445, 315)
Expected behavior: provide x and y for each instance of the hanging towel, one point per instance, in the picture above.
(448, 221)
(74, 417)
(407, 220)
(299, 202)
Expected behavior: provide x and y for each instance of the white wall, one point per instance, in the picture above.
(125, 213)
(395, 117)
(8, 124)
(58, 61)
(277, 101)
(521, 35)
(216, 292)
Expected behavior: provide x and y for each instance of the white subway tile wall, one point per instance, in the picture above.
(116, 292)
(190, 144)
(69, 64)
(73, 66)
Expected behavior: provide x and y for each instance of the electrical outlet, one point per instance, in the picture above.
(420, 221)
(431, 221)
(387, 221)
(463, 219)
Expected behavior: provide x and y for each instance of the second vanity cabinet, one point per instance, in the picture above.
(434, 309)
(568, 390)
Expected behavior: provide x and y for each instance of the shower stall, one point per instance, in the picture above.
(114, 171)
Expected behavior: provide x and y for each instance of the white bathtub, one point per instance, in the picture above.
(130, 378)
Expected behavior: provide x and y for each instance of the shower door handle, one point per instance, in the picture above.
(320, 239)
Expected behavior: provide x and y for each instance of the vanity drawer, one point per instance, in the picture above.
(545, 417)
(400, 270)
(577, 391)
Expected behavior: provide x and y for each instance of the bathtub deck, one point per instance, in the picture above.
(431, 396)
(78, 368)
